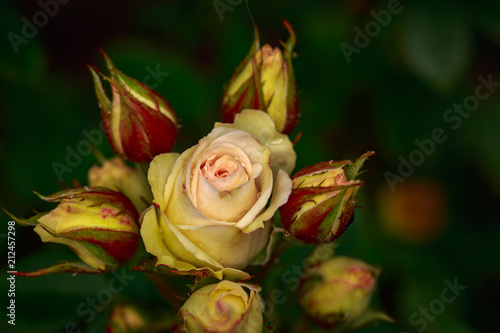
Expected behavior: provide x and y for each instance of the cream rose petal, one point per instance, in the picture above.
(261, 126)
(183, 248)
(152, 235)
(252, 321)
(226, 205)
(228, 245)
(153, 240)
(181, 209)
(221, 140)
(281, 192)
(174, 243)
(159, 171)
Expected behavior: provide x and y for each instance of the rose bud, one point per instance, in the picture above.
(99, 225)
(214, 203)
(139, 123)
(126, 319)
(117, 176)
(321, 205)
(265, 80)
(338, 292)
(222, 307)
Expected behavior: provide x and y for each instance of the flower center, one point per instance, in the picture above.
(224, 172)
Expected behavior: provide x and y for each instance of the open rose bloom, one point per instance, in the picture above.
(215, 201)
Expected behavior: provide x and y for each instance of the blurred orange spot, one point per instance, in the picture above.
(416, 211)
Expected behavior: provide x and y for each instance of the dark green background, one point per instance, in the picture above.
(393, 92)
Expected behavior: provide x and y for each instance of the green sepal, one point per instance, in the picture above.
(368, 318)
(249, 93)
(292, 40)
(353, 170)
(274, 238)
(104, 101)
(149, 266)
(95, 242)
(96, 251)
(64, 267)
(292, 105)
(201, 282)
(342, 212)
(29, 222)
(137, 89)
(271, 326)
(109, 65)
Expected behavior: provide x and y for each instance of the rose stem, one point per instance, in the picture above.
(166, 290)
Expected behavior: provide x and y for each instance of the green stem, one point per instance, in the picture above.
(166, 290)
(280, 248)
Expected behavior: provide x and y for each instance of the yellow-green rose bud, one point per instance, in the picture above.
(117, 176)
(215, 201)
(139, 123)
(265, 80)
(338, 292)
(126, 319)
(99, 225)
(321, 205)
(225, 307)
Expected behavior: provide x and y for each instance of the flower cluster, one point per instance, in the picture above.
(217, 208)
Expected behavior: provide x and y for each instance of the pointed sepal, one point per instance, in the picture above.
(27, 222)
(64, 267)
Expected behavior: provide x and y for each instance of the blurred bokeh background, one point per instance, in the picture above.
(430, 205)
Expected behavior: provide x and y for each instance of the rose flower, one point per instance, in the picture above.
(215, 201)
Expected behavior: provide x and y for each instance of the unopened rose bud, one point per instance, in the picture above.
(265, 80)
(126, 319)
(222, 307)
(99, 225)
(117, 176)
(338, 292)
(139, 123)
(321, 205)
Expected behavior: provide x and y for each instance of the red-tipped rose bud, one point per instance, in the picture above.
(139, 123)
(101, 226)
(321, 205)
(265, 80)
(338, 292)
